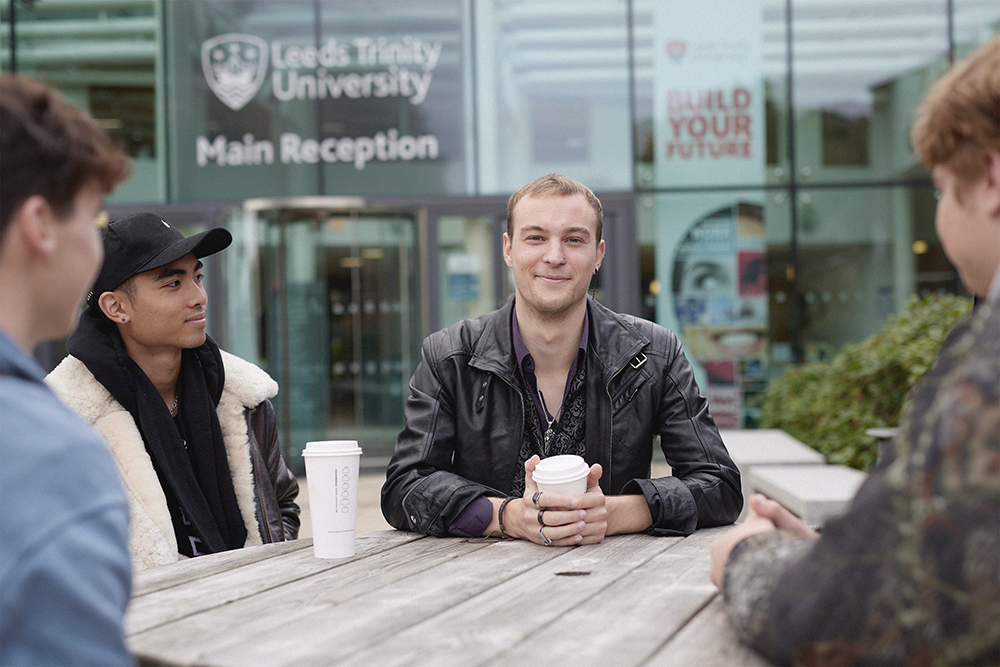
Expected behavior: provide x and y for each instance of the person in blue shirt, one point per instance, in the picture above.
(65, 572)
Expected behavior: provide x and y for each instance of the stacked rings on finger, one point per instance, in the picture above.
(545, 540)
(541, 517)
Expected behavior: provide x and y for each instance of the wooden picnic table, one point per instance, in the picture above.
(405, 599)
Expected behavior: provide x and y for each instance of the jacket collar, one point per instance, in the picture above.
(614, 340)
(494, 348)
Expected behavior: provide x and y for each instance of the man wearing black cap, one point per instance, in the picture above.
(191, 427)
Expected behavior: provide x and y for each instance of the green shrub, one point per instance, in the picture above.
(829, 404)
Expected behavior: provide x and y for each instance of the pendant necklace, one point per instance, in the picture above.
(173, 409)
(550, 420)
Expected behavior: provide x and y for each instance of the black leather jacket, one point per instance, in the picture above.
(464, 419)
(275, 488)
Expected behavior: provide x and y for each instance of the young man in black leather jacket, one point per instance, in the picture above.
(554, 372)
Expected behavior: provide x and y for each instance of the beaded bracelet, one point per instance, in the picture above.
(503, 535)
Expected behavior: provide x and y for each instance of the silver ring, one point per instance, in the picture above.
(534, 498)
(541, 519)
(545, 540)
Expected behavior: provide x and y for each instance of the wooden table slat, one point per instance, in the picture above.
(651, 603)
(488, 625)
(709, 640)
(219, 586)
(176, 574)
(405, 599)
(345, 609)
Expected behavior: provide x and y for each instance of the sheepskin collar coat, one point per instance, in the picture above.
(151, 533)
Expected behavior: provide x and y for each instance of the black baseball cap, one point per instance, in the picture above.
(145, 241)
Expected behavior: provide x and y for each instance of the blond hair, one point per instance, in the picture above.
(554, 184)
(959, 120)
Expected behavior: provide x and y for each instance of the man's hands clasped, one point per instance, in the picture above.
(556, 520)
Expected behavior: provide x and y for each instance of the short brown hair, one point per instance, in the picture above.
(50, 148)
(959, 120)
(554, 184)
(128, 287)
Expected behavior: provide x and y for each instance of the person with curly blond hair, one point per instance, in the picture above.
(910, 574)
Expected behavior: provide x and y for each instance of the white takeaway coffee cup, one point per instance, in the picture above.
(565, 474)
(332, 483)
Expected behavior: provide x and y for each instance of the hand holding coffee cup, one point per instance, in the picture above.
(564, 501)
(565, 475)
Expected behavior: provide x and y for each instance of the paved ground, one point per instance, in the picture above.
(369, 489)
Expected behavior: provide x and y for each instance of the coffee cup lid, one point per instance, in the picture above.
(331, 447)
(561, 468)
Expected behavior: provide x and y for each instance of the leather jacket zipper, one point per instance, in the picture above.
(635, 363)
(263, 515)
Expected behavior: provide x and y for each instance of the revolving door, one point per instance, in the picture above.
(337, 291)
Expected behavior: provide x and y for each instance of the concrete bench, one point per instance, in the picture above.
(750, 448)
(812, 492)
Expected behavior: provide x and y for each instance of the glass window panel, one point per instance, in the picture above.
(467, 265)
(711, 285)
(129, 116)
(775, 41)
(302, 97)
(859, 69)
(863, 252)
(552, 93)
(845, 140)
(642, 94)
(975, 22)
(104, 58)
(649, 283)
(756, 32)
(339, 313)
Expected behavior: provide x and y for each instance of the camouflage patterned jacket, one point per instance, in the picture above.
(910, 575)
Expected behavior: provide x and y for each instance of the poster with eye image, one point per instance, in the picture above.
(719, 300)
(708, 131)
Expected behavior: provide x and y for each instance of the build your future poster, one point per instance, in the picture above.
(708, 113)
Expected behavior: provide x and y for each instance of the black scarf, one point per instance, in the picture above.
(196, 481)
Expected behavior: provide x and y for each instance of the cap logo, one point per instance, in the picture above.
(165, 224)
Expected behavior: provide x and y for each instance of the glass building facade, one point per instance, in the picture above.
(761, 196)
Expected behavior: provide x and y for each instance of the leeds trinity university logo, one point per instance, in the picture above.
(234, 66)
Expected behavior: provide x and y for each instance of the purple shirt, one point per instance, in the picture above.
(476, 517)
(527, 365)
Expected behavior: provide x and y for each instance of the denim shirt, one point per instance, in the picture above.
(65, 573)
